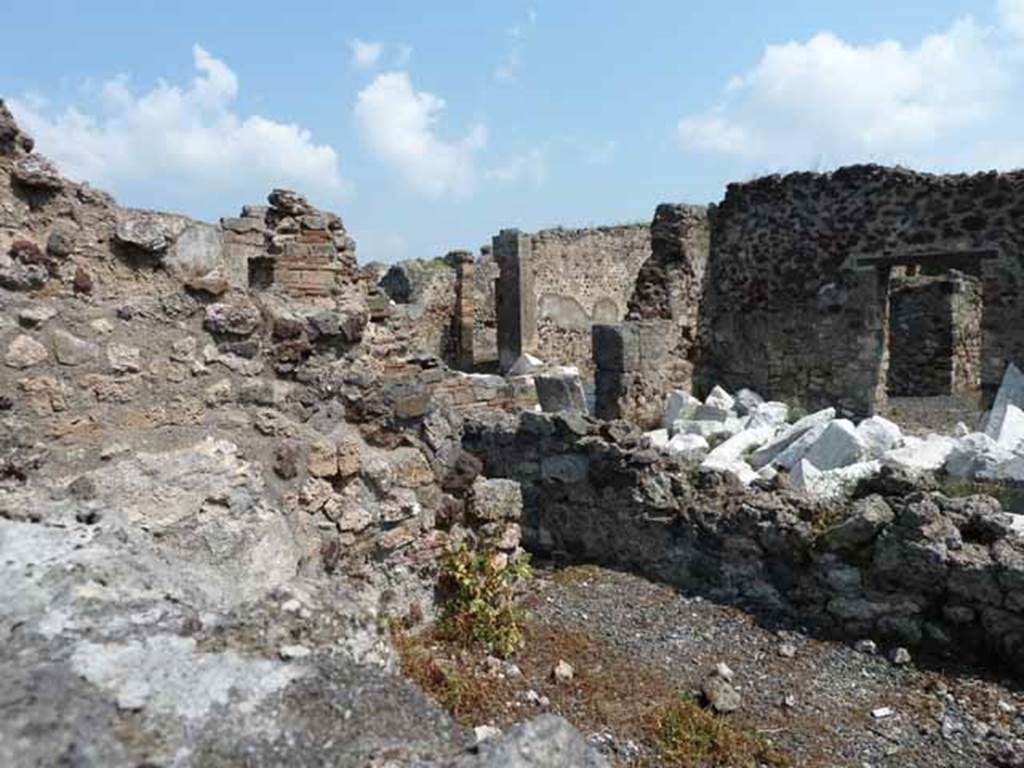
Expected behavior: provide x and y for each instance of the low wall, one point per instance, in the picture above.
(907, 567)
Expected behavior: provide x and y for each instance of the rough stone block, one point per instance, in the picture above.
(688, 447)
(879, 435)
(1011, 392)
(747, 402)
(680, 405)
(719, 398)
(772, 414)
(615, 347)
(561, 393)
(766, 455)
(497, 500)
(921, 455)
(838, 446)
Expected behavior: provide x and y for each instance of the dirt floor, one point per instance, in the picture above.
(921, 415)
(640, 651)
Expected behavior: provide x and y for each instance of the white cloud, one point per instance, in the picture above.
(369, 54)
(1011, 15)
(832, 100)
(365, 54)
(179, 139)
(512, 64)
(399, 125)
(530, 166)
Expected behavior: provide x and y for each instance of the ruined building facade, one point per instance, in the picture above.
(788, 286)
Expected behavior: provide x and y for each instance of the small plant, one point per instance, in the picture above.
(479, 589)
(693, 737)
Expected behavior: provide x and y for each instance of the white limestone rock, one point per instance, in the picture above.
(680, 405)
(787, 437)
(740, 444)
(879, 435)
(1010, 471)
(790, 457)
(658, 437)
(706, 429)
(525, 365)
(927, 454)
(1011, 429)
(833, 483)
(838, 446)
(1011, 392)
(719, 398)
(707, 412)
(974, 453)
(688, 447)
(747, 401)
(737, 468)
(772, 413)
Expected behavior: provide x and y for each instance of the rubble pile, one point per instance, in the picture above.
(827, 457)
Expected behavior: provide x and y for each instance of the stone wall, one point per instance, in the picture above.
(670, 288)
(632, 370)
(968, 311)
(902, 565)
(582, 277)
(424, 292)
(485, 326)
(555, 284)
(795, 305)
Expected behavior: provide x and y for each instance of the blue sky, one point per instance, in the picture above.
(431, 126)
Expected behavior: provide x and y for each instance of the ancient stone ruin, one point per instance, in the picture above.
(235, 464)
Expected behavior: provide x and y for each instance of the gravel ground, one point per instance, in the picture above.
(817, 701)
(921, 415)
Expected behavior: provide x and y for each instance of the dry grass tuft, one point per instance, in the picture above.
(608, 691)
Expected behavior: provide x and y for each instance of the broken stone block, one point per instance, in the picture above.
(838, 446)
(37, 171)
(142, 232)
(790, 457)
(658, 438)
(688, 447)
(719, 398)
(705, 412)
(879, 435)
(197, 252)
(560, 393)
(706, 429)
(766, 455)
(927, 454)
(747, 401)
(738, 469)
(1011, 392)
(773, 414)
(1011, 429)
(1009, 471)
(975, 454)
(680, 405)
(833, 483)
(525, 365)
(739, 445)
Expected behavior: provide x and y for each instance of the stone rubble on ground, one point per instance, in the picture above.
(751, 440)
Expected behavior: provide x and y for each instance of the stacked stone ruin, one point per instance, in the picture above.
(231, 457)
